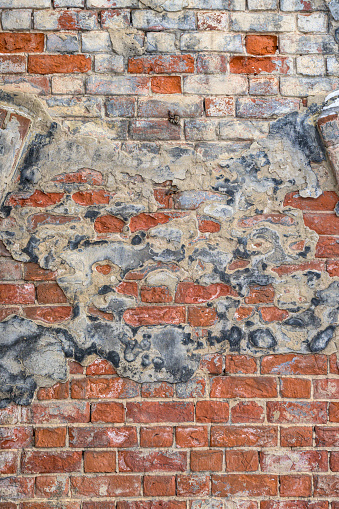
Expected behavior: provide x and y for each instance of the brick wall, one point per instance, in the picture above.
(169, 259)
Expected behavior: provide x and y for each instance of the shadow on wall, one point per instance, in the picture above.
(165, 252)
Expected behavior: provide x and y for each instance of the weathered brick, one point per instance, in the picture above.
(16, 19)
(159, 485)
(224, 485)
(160, 42)
(12, 64)
(58, 413)
(212, 411)
(247, 411)
(151, 20)
(109, 63)
(264, 85)
(296, 412)
(203, 460)
(242, 461)
(157, 390)
(155, 315)
(115, 18)
(261, 22)
(50, 437)
(50, 64)
(17, 488)
(312, 22)
(99, 461)
(246, 387)
(296, 461)
(102, 437)
(212, 21)
(154, 411)
(193, 485)
(211, 63)
(38, 462)
(219, 106)
(240, 364)
(188, 437)
(311, 65)
(211, 41)
(51, 486)
(244, 436)
(140, 461)
(8, 462)
(118, 85)
(107, 412)
(215, 85)
(104, 388)
(295, 485)
(65, 20)
(157, 129)
(156, 436)
(326, 485)
(295, 388)
(257, 65)
(110, 485)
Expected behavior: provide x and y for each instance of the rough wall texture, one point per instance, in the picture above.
(169, 263)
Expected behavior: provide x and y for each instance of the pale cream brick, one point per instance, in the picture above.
(311, 65)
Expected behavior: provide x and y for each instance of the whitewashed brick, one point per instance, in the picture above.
(262, 22)
(17, 19)
(264, 85)
(63, 42)
(116, 129)
(115, 18)
(211, 41)
(333, 65)
(95, 41)
(12, 64)
(118, 85)
(265, 107)
(150, 20)
(201, 129)
(117, 4)
(262, 5)
(109, 63)
(311, 65)
(65, 106)
(305, 44)
(54, 20)
(227, 5)
(216, 85)
(302, 87)
(313, 22)
(237, 129)
(69, 3)
(25, 4)
(160, 42)
(301, 5)
(68, 85)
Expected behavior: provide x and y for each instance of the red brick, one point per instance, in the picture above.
(244, 436)
(326, 485)
(247, 411)
(333, 412)
(296, 412)
(155, 315)
(49, 314)
(103, 269)
(206, 460)
(193, 436)
(8, 505)
(108, 224)
(127, 288)
(50, 437)
(102, 437)
(295, 388)
(16, 438)
(326, 388)
(190, 293)
(160, 64)
(295, 485)
(50, 505)
(260, 295)
(327, 247)
(111, 485)
(296, 436)
(261, 44)
(19, 488)
(212, 20)
(21, 43)
(244, 387)
(156, 436)
(212, 363)
(193, 485)
(17, 294)
(260, 485)
(208, 226)
(5, 312)
(58, 413)
(50, 293)
(300, 267)
(202, 317)
(249, 222)
(256, 65)
(37, 199)
(82, 176)
(297, 461)
(166, 85)
(100, 367)
(87, 198)
(333, 268)
(36, 462)
(334, 461)
(155, 294)
(158, 411)
(146, 221)
(35, 273)
(240, 364)
(243, 313)
(93, 311)
(75, 368)
(293, 504)
(273, 314)
(99, 461)
(107, 412)
(159, 485)
(212, 411)
(104, 388)
(157, 390)
(326, 437)
(98, 505)
(140, 461)
(8, 463)
(163, 198)
(293, 364)
(51, 64)
(326, 201)
(51, 486)
(323, 224)
(242, 461)
(151, 504)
